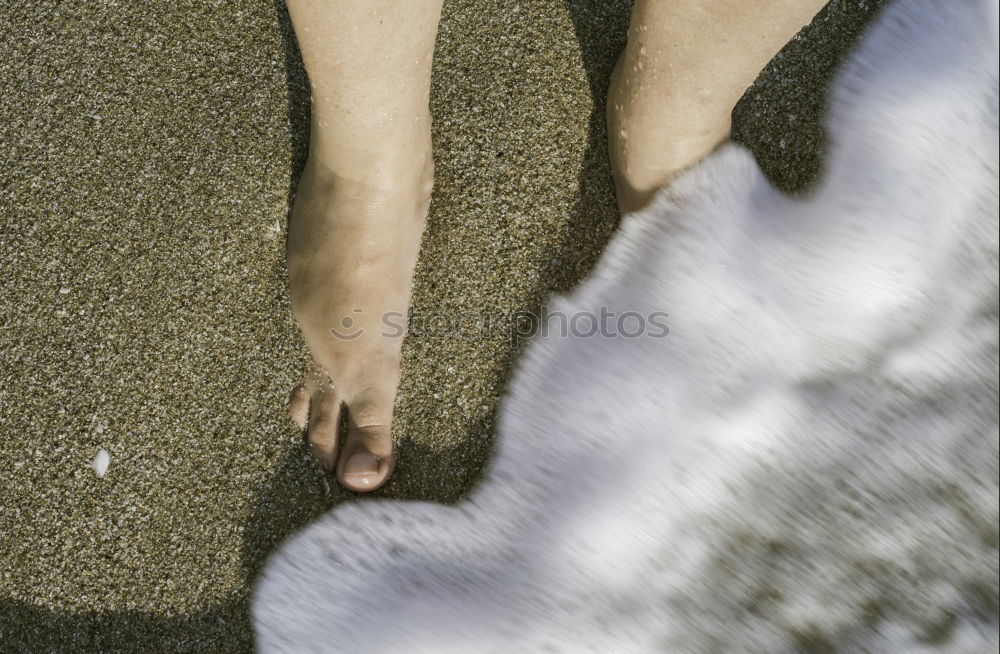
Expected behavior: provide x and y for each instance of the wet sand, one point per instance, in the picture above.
(150, 156)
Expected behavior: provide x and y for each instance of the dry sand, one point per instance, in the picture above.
(149, 154)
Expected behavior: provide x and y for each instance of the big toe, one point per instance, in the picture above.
(366, 460)
(363, 471)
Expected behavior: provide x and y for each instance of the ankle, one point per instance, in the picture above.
(393, 166)
(382, 150)
(643, 162)
(657, 129)
(374, 177)
(375, 192)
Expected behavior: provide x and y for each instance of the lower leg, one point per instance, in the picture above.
(358, 216)
(686, 64)
(369, 66)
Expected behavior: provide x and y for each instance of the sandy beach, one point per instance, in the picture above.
(150, 154)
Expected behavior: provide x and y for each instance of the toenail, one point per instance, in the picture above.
(361, 467)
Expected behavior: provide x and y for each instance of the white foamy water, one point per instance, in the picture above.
(807, 463)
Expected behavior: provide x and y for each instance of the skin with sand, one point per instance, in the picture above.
(355, 229)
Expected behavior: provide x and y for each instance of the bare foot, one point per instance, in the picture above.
(352, 247)
(358, 217)
(674, 87)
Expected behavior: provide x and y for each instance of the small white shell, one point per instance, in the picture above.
(101, 462)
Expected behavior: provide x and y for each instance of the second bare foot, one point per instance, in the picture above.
(684, 68)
